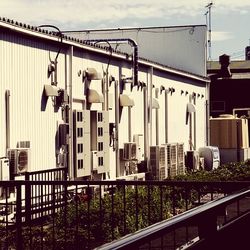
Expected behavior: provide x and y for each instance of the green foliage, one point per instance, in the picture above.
(235, 171)
(117, 214)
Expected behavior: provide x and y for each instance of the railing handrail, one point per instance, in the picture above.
(187, 184)
(153, 231)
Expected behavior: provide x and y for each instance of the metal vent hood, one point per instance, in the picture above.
(126, 101)
(94, 96)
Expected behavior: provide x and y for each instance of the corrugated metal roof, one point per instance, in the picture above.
(52, 34)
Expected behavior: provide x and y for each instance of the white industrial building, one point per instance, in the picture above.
(70, 103)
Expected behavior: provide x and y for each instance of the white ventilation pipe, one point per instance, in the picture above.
(117, 118)
(7, 118)
(71, 142)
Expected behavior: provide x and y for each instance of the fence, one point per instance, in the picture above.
(220, 224)
(87, 214)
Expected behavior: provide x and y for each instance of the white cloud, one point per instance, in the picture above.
(81, 12)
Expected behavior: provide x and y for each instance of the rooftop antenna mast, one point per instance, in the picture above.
(208, 21)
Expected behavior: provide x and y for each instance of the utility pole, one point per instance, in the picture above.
(209, 25)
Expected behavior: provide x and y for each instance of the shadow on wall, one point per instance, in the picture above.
(44, 100)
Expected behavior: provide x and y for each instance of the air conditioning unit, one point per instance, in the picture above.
(192, 160)
(171, 158)
(129, 152)
(158, 162)
(211, 157)
(19, 160)
(180, 159)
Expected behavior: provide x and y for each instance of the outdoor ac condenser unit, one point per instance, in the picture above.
(129, 152)
(19, 160)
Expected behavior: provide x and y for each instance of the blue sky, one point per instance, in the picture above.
(230, 18)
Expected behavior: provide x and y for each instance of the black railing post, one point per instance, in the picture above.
(208, 227)
(19, 240)
(27, 199)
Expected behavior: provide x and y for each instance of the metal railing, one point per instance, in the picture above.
(219, 224)
(87, 214)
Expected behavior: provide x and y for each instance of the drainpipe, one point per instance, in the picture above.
(207, 108)
(7, 118)
(194, 98)
(166, 116)
(150, 86)
(71, 142)
(146, 144)
(117, 106)
(129, 124)
(157, 119)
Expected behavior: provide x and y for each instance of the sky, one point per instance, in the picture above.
(230, 19)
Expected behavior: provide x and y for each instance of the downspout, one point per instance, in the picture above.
(157, 120)
(7, 118)
(194, 98)
(166, 116)
(117, 106)
(207, 107)
(150, 86)
(129, 124)
(146, 144)
(71, 142)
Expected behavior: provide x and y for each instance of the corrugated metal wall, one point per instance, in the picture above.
(24, 63)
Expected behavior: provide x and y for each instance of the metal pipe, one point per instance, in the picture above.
(207, 103)
(71, 142)
(129, 124)
(194, 146)
(104, 93)
(150, 86)
(117, 106)
(157, 120)
(240, 109)
(132, 43)
(146, 144)
(7, 118)
(166, 116)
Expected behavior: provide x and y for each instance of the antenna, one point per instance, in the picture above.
(208, 22)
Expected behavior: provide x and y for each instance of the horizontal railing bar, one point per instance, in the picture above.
(231, 184)
(152, 231)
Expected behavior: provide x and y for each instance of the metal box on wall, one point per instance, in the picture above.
(100, 138)
(81, 133)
